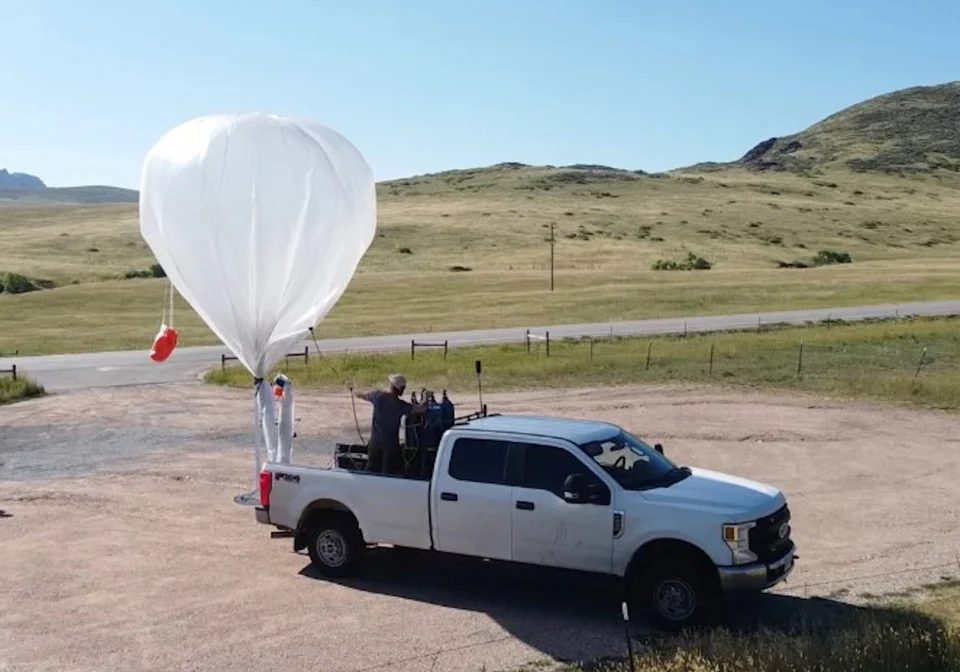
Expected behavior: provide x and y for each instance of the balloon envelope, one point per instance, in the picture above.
(259, 221)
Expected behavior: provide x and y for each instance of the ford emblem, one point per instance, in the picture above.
(782, 532)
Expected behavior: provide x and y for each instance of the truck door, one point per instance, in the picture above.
(547, 530)
(472, 501)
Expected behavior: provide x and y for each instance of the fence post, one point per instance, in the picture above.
(923, 356)
(528, 340)
(548, 344)
(445, 345)
(306, 355)
(591, 347)
(800, 361)
(13, 371)
(711, 360)
(649, 348)
(223, 362)
(413, 348)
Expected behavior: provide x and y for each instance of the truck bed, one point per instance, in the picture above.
(394, 509)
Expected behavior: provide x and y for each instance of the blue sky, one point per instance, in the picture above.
(87, 87)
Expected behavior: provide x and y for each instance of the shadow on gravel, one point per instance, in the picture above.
(4, 514)
(568, 616)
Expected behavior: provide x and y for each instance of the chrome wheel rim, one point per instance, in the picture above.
(675, 599)
(332, 548)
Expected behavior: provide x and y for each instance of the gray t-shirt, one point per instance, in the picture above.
(387, 411)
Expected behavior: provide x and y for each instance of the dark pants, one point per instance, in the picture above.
(383, 456)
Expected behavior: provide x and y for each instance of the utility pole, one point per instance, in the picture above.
(552, 241)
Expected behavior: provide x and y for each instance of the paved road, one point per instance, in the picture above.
(111, 369)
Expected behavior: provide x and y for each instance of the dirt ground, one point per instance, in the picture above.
(121, 547)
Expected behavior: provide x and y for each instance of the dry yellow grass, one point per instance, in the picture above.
(610, 227)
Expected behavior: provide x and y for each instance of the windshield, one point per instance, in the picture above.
(632, 463)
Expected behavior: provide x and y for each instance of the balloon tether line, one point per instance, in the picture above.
(353, 403)
(166, 312)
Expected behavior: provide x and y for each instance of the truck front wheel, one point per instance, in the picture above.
(335, 545)
(671, 592)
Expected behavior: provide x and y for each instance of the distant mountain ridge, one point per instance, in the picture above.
(10, 180)
(910, 131)
(26, 188)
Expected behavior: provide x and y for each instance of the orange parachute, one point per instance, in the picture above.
(166, 339)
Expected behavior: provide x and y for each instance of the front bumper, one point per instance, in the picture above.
(758, 576)
(263, 515)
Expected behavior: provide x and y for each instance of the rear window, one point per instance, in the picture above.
(479, 460)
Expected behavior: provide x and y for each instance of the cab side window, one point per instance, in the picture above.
(479, 460)
(547, 468)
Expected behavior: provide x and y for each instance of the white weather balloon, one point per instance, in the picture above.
(260, 222)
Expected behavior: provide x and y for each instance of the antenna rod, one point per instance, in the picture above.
(479, 368)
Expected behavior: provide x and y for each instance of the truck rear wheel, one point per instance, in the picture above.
(335, 544)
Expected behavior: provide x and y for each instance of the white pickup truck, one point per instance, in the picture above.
(572, 494)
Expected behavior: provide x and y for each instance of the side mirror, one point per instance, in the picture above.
(575, 489)
(582, 489)
(659, 448)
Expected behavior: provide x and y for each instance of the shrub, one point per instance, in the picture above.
(405, 250)
(827, 257)
(691, 262)
(155, 271)
(14, 283)
(16, 390)
(460, 269)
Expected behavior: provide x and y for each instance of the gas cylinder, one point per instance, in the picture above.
(434, 424)
(446, 411)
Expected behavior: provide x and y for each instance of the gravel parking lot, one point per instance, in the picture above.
(122, 548)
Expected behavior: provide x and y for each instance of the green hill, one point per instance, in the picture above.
(915, 130)
(861, 209)
(78, 195)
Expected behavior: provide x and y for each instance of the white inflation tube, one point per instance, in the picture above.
(268, 420)
(285, 448)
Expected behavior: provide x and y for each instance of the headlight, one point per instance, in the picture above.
(737, 537)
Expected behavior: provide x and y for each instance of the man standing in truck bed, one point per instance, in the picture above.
(384, 453)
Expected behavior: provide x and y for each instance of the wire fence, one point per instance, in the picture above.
(774, 356)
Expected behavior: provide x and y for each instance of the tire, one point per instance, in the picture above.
(335, 545)
(672, 593)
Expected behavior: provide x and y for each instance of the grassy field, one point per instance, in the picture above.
(611, 227)
(877, 360)
(922, 637)
(18, 390)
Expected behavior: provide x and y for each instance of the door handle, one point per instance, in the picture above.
(526, 506)
(448, 496)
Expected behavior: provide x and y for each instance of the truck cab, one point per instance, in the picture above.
(551, 492)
